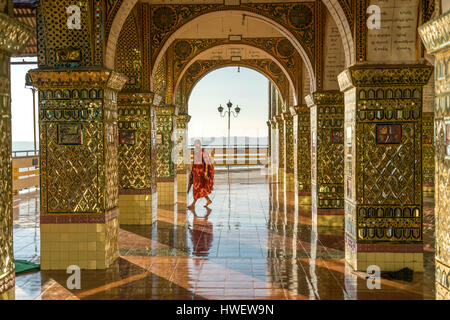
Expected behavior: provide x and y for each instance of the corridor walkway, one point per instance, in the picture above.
(252, 245)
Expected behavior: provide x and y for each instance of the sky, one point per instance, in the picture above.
(21, 104)
(248, 89)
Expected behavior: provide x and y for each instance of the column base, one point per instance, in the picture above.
(388, 257)
(182, 181)
(87, 241)
(167, 192)
(137, 207)
(7, 291)
(9, 294)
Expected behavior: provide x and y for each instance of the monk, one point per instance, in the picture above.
(202, 175)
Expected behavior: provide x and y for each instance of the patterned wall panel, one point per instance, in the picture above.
(428, 151)
(64, 47)
(129, 54)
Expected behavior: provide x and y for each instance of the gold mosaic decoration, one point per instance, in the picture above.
(327, 124)
(383, 172)
(80, 178)
(165, 122)
(428, 151)
(128, 56)
(137, 118)
(13, 38)
(54, 35)
(436, 37)
(289, 142)
(187, 49)
(302, 149)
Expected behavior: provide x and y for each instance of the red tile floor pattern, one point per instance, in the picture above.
(253, 244)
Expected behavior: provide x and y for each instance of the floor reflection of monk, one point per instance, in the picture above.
(202, 175)
(202, 235)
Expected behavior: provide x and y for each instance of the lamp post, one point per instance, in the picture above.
(230, 112)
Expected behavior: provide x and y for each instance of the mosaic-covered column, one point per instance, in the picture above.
(13, 37)
(184, 155)
(78, 167)
(137, 159)
(383, 165)
(302, 154)
(327, 157)
(288, 152)
(280, 127)
(436, 37)
(165, 142)
(428, 153)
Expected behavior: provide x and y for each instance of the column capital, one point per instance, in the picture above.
(273, 123)
(183, 120)
(324, 98)
(435, 34)
(73, 78)
(379, 75)
(299, 110)
(166, 110)
(286, 116)
(14, 34)
(279, 118)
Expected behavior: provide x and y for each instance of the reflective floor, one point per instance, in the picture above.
(252, 244)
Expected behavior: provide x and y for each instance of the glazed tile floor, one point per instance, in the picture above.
(253, 244)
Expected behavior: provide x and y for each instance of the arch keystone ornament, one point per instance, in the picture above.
(13, 38)
(383, 165)
(78, 125)
(436, 37)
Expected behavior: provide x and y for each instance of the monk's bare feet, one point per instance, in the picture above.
(208, 202)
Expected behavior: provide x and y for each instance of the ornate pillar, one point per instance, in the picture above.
(78, 167)
(436, 37)
(302, 154)
(428, 138)
(13, 38)
(137, 159)
(383, 165)
(183, 153)
(165, 141)
(327, 157)
(288, 152)
(280, 136)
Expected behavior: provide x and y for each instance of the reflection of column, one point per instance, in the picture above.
(288, 152)
(12, 40)
(435, 35)
(383, 166)
(167, 187)
(137, 159)
(280, 136)
(78, 167)
(302, 154)
(327, 157)
(184, 154)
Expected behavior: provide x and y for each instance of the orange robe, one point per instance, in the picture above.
(202, 174)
